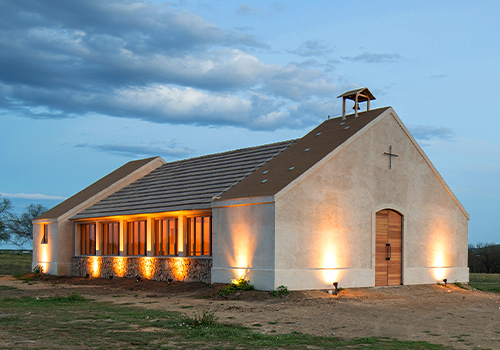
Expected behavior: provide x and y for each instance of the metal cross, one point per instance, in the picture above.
(390, 154)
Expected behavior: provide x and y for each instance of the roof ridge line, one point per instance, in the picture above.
(233, 150)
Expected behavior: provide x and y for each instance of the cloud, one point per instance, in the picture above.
(374, 58)
(36, 196)
(141, 151)
(439, 76)
(311, 48)
(426, 133)
(245, 9)
(278, 6)
(147, 61)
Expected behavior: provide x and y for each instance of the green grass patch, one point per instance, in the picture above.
(15, 264)
(7, 288)
(52, 323)
(488, 282)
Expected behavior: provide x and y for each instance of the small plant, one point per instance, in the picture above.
(207, 318)
(239, 284)
(38, 270)
(75, 297)
(242, 283)
(280, 291)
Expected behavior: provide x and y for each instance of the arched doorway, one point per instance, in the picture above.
(388, 248)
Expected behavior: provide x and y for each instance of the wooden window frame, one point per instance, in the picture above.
(85, 249)
(159, 236)
(106, 244)
(131, 239)
(191, 231)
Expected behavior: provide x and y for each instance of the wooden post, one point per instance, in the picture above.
(356, 105)
(343, 108)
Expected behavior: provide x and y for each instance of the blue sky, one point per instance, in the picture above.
(86, 86)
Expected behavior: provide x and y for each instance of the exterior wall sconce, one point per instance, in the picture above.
(170, 280)
(445, 281)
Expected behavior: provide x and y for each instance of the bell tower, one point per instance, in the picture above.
(358, 95)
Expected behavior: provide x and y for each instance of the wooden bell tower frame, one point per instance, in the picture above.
(358, 95)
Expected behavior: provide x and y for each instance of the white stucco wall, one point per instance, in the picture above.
(46, 255)
(243, 241)
(325, 228)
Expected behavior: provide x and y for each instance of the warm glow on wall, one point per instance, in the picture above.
(44, 255)
(179, 269)
(119, 266)
(241, 273)
(243, 250)
(328, 245)
(438, 266)
(147, 265)
(329, 265)
(95, 268)
(438, 253)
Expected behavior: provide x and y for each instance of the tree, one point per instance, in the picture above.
(19, 227)
(5, 207)
(484, 258)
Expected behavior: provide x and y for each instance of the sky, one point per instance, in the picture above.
(86, 86)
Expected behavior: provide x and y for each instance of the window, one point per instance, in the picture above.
(45, 238)
(136, 237)
(87, 239)
(199, 236)
(110, 238)
(166, 237)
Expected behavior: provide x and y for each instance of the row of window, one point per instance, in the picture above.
(199, 237)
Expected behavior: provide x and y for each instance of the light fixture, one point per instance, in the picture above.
(170, 280)
(445, 281)
(336, 285)
(138, 279)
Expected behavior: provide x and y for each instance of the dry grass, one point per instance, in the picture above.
(15, 264)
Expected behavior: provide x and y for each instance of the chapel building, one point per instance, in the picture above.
(355, 202)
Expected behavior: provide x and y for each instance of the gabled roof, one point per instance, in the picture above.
(94, 189)
(299, 157)
(365, 94)
(184, 185)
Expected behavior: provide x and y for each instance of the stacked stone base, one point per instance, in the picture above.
(154, 268)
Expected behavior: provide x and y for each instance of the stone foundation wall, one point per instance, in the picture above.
(157, 268)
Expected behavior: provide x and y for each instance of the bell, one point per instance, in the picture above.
(356, 105)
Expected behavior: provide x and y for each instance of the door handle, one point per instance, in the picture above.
(388, 251)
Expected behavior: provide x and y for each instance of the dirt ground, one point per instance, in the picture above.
(449, 315)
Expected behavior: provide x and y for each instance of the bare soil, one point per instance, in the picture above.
(448, 315)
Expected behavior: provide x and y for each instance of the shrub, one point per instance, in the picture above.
(281, 290)
(239, 284)
(242, 284)
(38, 270)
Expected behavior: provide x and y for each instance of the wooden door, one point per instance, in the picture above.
(388, 248)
